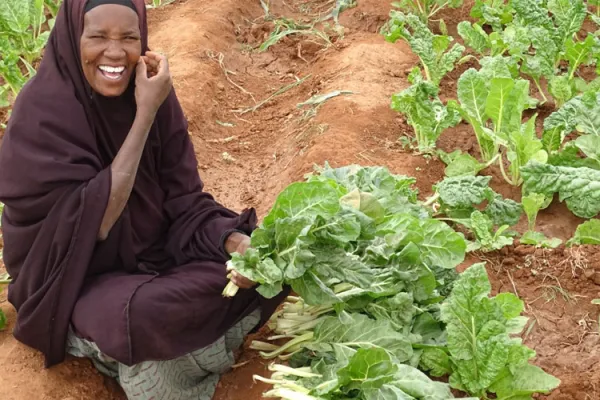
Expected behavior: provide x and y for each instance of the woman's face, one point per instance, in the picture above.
(110, 48)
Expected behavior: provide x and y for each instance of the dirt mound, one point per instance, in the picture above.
(252, 139)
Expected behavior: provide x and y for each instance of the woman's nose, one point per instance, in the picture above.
(114, 50)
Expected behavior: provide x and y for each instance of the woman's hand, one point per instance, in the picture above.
(153, 82)
(238, 243)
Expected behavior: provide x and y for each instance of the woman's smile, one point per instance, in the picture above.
(112, 73)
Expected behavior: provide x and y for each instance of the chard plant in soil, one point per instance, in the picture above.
(378, 294)
(424, 111)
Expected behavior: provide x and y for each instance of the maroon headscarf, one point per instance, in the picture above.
(55, 182)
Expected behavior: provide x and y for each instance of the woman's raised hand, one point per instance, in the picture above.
(153, 82)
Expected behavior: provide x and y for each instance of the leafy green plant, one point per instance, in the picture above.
(496, 13)
(577, 186)
(522, 146)
(424, 111)
(492, 101)
(435, 54)
(581, 114)
(532, 204)
(483, 355)
(586, 233)
(23, 35)
(459, 198)
(461, 164)
(426, 9)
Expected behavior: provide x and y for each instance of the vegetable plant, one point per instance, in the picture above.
(492, 101)
(532, 204)
(586, 233)
(435, 54)
(483, 355)
(23, 35)
(577, 186)
(424, 111)
(426, 9)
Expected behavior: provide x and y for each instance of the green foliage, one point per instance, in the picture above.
(425, 9)
(492, 101)
(484, 356)
(434, 51)
(424, 112)
(23, 35)
(586, 233)
(578, 187)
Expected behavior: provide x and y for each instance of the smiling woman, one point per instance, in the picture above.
(110, 47)
(116, 251)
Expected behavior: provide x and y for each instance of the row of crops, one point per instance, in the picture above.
(516, 45)
(379, 308)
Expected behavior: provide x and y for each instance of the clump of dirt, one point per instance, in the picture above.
(252, 139)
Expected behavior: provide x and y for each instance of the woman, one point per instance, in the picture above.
(115, 250)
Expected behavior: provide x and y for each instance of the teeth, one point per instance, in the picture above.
(113, 70)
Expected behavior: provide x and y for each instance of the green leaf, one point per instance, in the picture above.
(474, 36)
(525, 381)
(432, 50)
(359, 331)
(482, 227)
(590, 146)
(463, 191)
(418, 385)
(524, 146)
(436, 361)
(502, 211)
(560, 88)
(425, 112)
(312, 289)
(532, 204)
(367, 369)
(463, 165)
(472, 94)
(497, 105)
(538, 239)
(304, 199)
(579, 187)
(586, 233)
(578, 53)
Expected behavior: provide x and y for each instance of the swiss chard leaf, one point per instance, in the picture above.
(359, 331)
(579, 187)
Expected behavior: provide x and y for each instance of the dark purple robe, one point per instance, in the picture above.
(152, 290)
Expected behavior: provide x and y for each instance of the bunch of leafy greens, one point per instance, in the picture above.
(373, 271)
(434, 51)
(424, 111)
(324, 232)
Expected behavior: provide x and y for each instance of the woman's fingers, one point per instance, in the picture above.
(241, 281)
(152, 66)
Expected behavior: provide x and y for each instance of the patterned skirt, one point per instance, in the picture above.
(192, 376)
